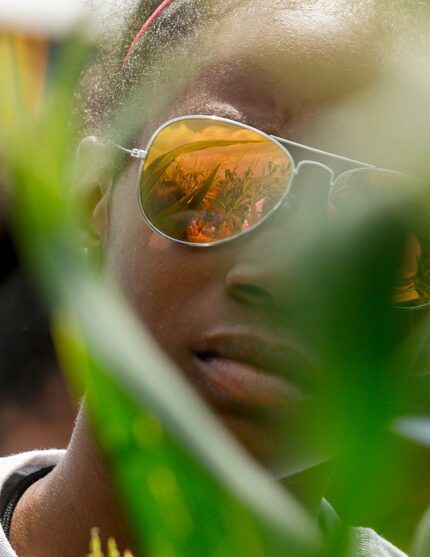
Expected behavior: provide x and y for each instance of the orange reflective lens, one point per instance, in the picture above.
(205, 180)
(361, 191)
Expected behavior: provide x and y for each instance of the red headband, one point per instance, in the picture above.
(144, 28)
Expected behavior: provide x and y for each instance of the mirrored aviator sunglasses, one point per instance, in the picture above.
(205, 180)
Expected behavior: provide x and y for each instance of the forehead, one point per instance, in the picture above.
(306, 57)
(294, 58)
(314, 49)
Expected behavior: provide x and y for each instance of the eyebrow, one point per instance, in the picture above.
(234, 112)
(222, 109)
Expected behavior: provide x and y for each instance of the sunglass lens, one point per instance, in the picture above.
(358, 193)
(206, 180)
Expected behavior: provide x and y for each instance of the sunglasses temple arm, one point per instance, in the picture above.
(320, 152)
(135, 153)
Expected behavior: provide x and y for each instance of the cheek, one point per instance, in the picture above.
(169, 285)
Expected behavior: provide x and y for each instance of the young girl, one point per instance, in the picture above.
(211, 278)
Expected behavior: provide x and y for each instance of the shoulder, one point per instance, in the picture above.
(369, 544)
(13, 469)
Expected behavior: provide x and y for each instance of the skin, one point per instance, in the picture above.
(283, 80)
(302, 60)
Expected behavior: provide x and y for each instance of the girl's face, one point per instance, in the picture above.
(233, 317)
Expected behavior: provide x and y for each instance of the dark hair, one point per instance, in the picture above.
(107, 84)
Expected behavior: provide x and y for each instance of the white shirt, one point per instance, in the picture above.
(14, 468)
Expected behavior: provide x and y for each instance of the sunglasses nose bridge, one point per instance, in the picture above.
(304, 163)
(309, 181)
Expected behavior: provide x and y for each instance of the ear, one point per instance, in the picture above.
(93, 181)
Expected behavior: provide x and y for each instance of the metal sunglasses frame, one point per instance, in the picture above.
(357, 166)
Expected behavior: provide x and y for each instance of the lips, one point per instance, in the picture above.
(240, 370)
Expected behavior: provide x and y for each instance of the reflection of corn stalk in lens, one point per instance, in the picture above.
(156, 169)
(232, 199)
(422, 280)
(202, 206)
(193, 201)
(239, 196)
(415, 267)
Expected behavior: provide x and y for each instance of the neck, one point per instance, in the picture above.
(55, 515)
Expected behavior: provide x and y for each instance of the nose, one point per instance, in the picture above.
(269, 267)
